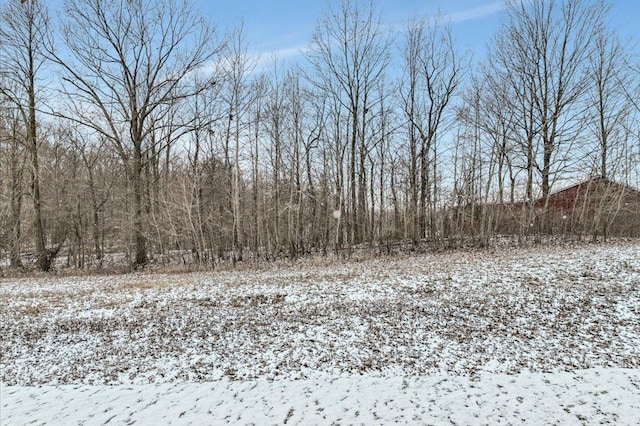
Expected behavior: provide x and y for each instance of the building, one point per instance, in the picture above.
(598, 206)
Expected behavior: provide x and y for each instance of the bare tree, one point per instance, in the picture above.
(24, 31)
(129, 64)
(432, 73)
(92, 154)
(543, 51)
(349, 54)
(608, 116)
(296, 129)
(487, 129)
(256, 114)
(276, 117)
(12, 168)
(238, 65)
(608, 106)
(515, 93)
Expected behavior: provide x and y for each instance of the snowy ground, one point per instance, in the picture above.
(592, 396)
(547, 335)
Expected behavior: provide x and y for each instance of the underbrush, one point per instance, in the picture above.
(179, 262)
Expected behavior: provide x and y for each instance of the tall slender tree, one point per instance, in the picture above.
(609, 107)
(432, 73)
(24, 31)
(349, 53)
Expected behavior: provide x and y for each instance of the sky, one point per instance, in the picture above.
(285, 26)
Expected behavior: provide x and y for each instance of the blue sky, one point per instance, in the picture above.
(285, 26)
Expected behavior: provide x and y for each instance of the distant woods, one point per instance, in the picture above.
(137, 130)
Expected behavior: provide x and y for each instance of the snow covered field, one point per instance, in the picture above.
(545, 335)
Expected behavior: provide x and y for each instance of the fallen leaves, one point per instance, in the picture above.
(508, 311)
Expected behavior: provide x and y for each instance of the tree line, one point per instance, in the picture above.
(138, 129)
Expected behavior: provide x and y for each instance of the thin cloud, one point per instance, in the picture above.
(478, 12)
(256, 61)
(265, 60)
(282, 53)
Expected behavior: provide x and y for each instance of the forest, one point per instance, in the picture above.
(138, 131)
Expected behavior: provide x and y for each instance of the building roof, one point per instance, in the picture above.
(594, 187)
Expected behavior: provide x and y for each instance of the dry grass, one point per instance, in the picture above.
(32, 310)
(144, 285)
(254, 300)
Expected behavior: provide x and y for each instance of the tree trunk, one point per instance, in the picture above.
(44, 262)
(16, 204)
(140, 240)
